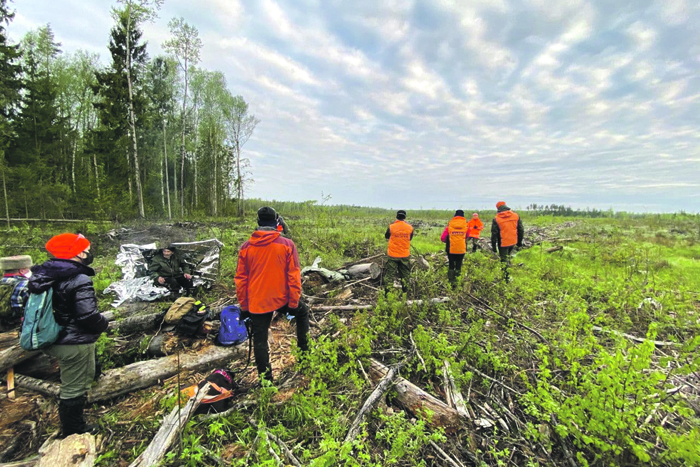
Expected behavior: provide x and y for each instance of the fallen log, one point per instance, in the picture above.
(40, 366)
(141, 375)
(144, 374)
(418, 402)
(554, 248)
(8, 338)
(30, 462)
(172, 425)
(359, 271)
(40, 386)
(137, 323)
(15, 354)
(75, 450)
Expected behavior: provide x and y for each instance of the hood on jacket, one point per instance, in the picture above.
(503, 208)
(55, 270)
(263, 237)
(505, 214)
(458, 222)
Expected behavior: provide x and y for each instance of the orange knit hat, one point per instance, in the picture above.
(67, 245)
(500, 203)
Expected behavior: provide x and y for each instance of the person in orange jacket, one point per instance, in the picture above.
(507, 231)
(455, 238)
(268, 279)
(399, 234)
(474, 228)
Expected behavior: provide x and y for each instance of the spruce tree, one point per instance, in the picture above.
(10, 86)
(111, 141)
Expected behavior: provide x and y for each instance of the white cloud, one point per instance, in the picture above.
(550, 101)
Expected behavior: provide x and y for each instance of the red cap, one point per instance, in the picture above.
(67, 245)
(500, 203)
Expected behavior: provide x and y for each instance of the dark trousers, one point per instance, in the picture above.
(454, 266)
(475, 243)
(260, 325)
(505, 253)
(176, 282)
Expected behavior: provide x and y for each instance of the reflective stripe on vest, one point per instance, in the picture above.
(508, 224)
(400, 240)
(457, 231)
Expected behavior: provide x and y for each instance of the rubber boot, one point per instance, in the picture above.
(70, 411)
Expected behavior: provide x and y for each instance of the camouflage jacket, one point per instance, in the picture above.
(161, 267)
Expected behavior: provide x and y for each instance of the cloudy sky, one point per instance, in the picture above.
(447, 103)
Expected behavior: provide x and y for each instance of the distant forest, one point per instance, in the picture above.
(138, 137)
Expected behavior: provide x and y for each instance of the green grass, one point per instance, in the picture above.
(608, 395)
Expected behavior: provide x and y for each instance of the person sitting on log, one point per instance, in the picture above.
(455, 239)
(75, 310)
(399, 234)
(168, 269)
(474, 228)
(268, 279)
(13, 289)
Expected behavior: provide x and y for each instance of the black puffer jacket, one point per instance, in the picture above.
(74, 300)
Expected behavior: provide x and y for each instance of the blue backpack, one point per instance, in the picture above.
(233, 330)
(39, 328)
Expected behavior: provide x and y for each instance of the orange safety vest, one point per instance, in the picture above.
(400, 240)
(474, 227)
(508, 224)
(457, 231)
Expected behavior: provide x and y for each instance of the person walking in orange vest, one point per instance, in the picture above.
(455, 239)
(507, 231)
(474, 228)
(399, 235)
(268, 279)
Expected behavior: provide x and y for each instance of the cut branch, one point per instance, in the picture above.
(455, 396)
(282, 445)
(172, 425)
(378, 392)
(634, 338)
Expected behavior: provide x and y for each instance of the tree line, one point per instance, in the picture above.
(139, 136)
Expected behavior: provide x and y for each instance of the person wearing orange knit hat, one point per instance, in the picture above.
(507, 231)
(68, 273)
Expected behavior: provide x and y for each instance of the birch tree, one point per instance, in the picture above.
(185, 45)
(241, 127)
(137, 12)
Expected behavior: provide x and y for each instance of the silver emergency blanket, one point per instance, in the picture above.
(203, 257)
